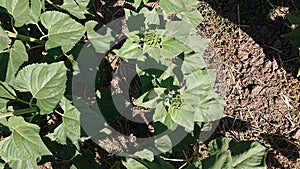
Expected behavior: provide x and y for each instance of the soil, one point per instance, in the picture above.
(262, 90)
(257, 74)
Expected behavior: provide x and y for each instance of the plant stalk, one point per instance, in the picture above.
(18, 112)
(25, 38)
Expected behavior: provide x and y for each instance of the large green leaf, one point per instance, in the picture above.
(158, 163)
(63, 32)
(19, 9)
(131, 163)
(188, 8)
(24, 145)
(162, 115)
(294, 17)
(102, 39)
(151, 98)
(24, 164)
(192, 63)
(248, 154)
(17, 56)
(194, 17)
(76, 7)
(177, 6)
(219, 160)
(45, 82)
(163, 143)
(170, 47)
(218, 145)
(179, 30)
(4, 40)
(6, 94)
(245, 154)
(35, 11)
(293, 36)
(130, 49)
(211, 109)
(6, 91)
(184, 116)
(70, 127)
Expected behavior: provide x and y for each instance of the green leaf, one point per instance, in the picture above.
(144, 154)
(134, 21)
(170, 47)
(76, 7)
(45, 82)
(187, 8)
(17, 56)
(158, 163)
(248, 154)
(73, 167)
(178, 6)
(24, 145)
(293, 36)
(70, 127)
(163, 143)
(6, 91)
(219, 160)
(218, 145)
(4, 40)
(184, 116)
(131, 163)
(245, 154)
(197, 43)
(294, 17)
(179, 30)
(150, 98)
(19, 9)
(193, 63)
(130, 49)
(102, 39)
(152, 17)
(209, 109)
(161, 115)
(6, 94)
(35, 11)
(63, 32)
(31, 163)
(194, 17)
(200, 81)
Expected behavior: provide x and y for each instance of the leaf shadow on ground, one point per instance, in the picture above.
(283, 145)
(253, 17)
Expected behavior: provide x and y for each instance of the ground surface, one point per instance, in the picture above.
(257, 75)
(262, 92)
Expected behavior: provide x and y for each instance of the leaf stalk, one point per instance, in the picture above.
(24, 38)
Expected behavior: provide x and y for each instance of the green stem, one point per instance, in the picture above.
(25, 38)
(187, 159)
(25, 111)
(30, 102)
(22, 101)
(18, 112)
(54, 5)
(171, 159)
(7, 114)
(35, 47)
